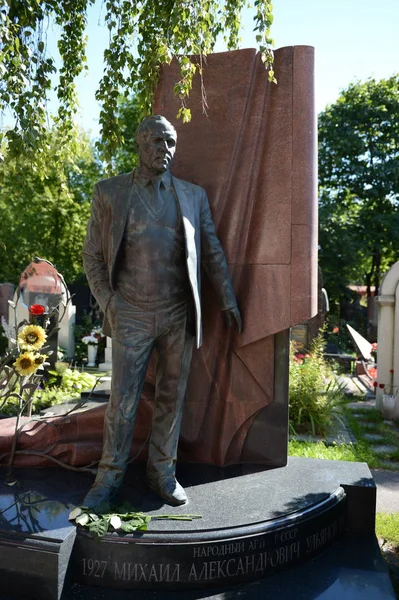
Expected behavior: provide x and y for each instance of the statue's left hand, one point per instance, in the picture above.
(233, 316)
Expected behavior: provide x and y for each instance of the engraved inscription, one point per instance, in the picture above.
(147, 572)
(252, 557)
(94, 568)
(253, 563)
(286, 536)
(256, 544)
(322, 537)
(223, 550)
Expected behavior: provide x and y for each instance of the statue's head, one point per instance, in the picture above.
(156, 143)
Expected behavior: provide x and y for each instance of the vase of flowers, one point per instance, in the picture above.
(388, 406)
(92, 346)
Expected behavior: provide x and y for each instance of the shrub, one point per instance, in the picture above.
(315, 397)
(63, 385)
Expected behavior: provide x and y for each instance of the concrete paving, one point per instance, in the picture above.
(387, 483)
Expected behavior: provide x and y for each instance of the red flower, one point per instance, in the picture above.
(336, 330)
(375, 383)
(382, 385)
(391, 370)
(36, 310)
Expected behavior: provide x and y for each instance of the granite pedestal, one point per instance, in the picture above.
(260, 532)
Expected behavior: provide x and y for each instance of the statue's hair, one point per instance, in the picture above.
(145, 126)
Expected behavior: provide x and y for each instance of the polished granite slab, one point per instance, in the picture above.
(223, 495)
(34, 523)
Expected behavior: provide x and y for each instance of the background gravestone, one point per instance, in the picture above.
(304, 333)
(388, 342)
(66, 333)
(6, 294)
(21, 312)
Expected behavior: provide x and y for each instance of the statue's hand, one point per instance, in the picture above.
(232, 316)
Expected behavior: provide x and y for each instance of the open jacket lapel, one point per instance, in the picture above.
(181, 191)
(187, 207)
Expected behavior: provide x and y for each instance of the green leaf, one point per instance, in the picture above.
(141, 39)
(133, 525)
(99, 528)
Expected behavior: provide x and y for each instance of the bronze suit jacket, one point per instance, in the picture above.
(110, 207)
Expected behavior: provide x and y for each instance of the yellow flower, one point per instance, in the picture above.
(25, 364)
(32, 337)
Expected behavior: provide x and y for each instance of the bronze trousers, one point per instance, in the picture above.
(135, 333)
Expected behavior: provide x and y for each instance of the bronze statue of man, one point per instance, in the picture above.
(148, 235)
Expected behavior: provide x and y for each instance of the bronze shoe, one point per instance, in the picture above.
(169, 489)
(99, 493)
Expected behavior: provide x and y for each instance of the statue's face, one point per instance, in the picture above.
(157, 148)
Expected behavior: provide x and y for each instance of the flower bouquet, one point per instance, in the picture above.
(90, 340)
(92, 345)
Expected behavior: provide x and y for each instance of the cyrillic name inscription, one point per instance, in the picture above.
(244, 565)
(220, 561)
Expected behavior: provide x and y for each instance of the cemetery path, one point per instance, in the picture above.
(386, 480)
(387, 483)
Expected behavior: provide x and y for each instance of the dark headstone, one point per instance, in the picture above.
(6, 294)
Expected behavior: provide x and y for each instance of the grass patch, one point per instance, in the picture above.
(390, 436)
(362, 450)
(359, 452)
(387, 526)
(370, 415)
(387, 529)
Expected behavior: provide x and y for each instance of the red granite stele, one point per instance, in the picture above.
(255, 154)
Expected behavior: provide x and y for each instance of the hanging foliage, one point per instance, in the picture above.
(142, 36)
(45, 205)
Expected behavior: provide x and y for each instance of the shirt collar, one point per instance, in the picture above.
(165, 178)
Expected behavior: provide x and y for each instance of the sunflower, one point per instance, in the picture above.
(32, 337)
(25, 364)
